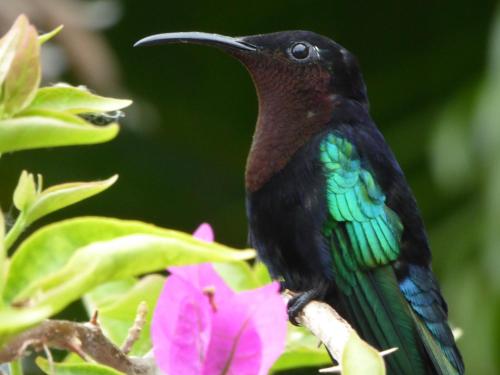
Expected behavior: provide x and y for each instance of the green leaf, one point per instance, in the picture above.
(261, 273)
(20, 74)
(302, 350)
(124, 256)
(117, 317)
(60, 196)
(107, 294)
(25, 192)
(34, 204)
(71, 99)
(50, 248)
(8, 44)
(76, 368)
(30, 132)
(359, 358)
(238, 275)
(61, 262)
(301, 357)
(48, 36)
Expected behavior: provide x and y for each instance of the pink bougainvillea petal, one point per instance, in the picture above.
(200, 326)
(235, 347)
(180, 327)
(268, 311)
(191, 337)
(203, 277)
(205, 233)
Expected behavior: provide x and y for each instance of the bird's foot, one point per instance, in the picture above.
(299, 301)
(283, 287)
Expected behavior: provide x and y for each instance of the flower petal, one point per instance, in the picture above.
(203, 277)
(204, 232)
(235, 347)
(181, 327)
(268, 310)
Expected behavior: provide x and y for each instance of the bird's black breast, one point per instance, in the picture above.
(286, 216)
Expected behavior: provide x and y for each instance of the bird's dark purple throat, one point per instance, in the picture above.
(330, 212)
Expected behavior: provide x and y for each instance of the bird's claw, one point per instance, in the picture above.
(297, 304)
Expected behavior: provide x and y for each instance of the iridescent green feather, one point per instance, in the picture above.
(354, 197)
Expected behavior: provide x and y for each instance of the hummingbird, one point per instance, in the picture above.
(329, 209)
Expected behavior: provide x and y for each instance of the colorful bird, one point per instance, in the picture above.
(330, 212)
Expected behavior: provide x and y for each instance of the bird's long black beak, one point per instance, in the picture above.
(194, 37)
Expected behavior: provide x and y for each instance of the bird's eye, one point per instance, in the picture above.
(300, 51)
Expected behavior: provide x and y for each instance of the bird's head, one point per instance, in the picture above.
(297, 62)
(300, 77)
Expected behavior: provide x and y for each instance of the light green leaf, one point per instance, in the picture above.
(35, 204)
(48, 36)
(238, 275)
(25, 191)
(117, 317)
(121, 257)
(76, 368)
(30, 132)
(8, 45)
(65, 98)
(302, 357)
(60, 196)
(61, 262)
(261, 273)
(107, 294)
(359, 358)
(302, 350)
(50, 248)
(24, 72)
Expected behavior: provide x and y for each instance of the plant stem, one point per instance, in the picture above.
(14, 232)
(16, 367)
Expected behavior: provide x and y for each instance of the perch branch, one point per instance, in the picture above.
(326, 324)
(85, 339)
(329, 327)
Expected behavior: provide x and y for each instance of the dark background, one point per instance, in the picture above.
(433, 75)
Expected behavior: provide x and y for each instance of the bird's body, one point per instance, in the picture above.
(330, 212)
(331, 224)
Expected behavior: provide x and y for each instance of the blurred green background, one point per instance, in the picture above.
(433, 75)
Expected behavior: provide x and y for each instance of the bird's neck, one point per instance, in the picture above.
(286, 121)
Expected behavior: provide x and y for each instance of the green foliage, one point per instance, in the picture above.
(117, 305)
(61, 262)
(360, 358)
(302, 349)
(50, 129)
(19, 67)
(33, 117)
(33, 203)
(69, 99)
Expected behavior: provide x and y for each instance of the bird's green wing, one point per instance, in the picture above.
(364, 237)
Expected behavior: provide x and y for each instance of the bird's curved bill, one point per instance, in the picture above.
(197, 38)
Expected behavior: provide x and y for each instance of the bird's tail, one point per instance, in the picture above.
(383, 317)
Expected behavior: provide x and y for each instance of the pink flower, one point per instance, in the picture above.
(201, 326)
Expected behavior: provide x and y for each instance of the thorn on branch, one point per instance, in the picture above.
(93, 320)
